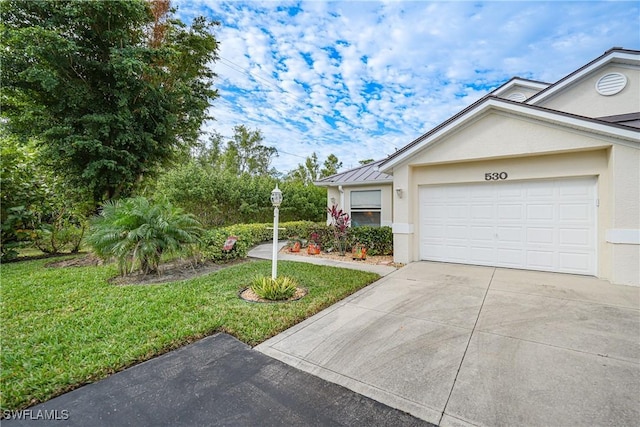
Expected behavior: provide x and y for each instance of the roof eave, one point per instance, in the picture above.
(352, 183)
(490, 102)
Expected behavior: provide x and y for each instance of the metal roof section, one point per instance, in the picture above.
(631, 119)
(365, 175)
(616, 55)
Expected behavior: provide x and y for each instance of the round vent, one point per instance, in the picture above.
(611, 83)
(517, 96)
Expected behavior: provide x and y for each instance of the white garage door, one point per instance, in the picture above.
(535, 225)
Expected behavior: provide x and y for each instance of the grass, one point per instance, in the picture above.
(65, 327)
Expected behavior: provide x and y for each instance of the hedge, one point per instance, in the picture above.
(378, 240)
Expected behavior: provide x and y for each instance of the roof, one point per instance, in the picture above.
(519, 82)
(625, 128)
(365, 174)
(599, 126)
(616, 54)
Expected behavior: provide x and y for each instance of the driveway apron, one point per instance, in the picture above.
(464, 345)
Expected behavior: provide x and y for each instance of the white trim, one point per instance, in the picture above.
(402, 228)
(353, 183)
(612, 57)
(623, 235)
(517, 82)
(521, 109)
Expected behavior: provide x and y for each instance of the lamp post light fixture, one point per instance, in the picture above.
(276, 200)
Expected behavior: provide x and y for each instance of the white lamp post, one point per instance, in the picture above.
(276, 200)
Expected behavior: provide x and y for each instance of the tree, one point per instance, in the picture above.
(331, 166)
(112, 89)
(310, 171)
(35, 204)
(246, 154)
(365, 161)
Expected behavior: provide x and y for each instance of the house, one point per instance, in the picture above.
(532, 176)
(364, 193)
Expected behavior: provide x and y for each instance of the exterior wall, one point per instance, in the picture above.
(501, 135)
(343, 200)
(528, 150)
(623, 231)
(519, 89)
(583, 99)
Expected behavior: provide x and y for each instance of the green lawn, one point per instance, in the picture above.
(64, 327)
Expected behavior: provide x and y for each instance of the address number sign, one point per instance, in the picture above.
(495, 176)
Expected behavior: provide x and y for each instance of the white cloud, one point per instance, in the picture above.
(426, 60)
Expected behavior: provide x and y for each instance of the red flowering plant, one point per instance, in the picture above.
(340, 222)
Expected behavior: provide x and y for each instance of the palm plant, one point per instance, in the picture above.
(137, 232)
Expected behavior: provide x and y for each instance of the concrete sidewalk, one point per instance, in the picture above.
(461, 345)
(265, 251)
(217, 381)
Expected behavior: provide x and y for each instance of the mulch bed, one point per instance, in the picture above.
(248, 295)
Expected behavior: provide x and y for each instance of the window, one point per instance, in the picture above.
(366, 207)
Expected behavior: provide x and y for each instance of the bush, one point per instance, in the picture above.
(378, 240)
(135, 231)
(281, 288)
(249, 235)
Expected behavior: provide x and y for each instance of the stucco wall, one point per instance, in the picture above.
(583, 99)
(343, 201)
(623, 233)
(527, 92)
(502, 135)
(527, 150)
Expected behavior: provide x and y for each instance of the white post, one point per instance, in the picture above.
(274, 259)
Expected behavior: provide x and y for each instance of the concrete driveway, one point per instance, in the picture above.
(464, 345)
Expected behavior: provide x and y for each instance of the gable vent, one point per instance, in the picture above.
(611, 83)
(517, 96)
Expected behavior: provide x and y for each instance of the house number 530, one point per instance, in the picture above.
(494, 176)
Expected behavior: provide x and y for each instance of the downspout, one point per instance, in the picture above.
(341, 196)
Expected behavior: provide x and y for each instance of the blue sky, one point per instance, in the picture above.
(360, 79)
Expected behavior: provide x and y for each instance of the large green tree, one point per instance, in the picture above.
(242, 154)
(113, 89)
(310, 171)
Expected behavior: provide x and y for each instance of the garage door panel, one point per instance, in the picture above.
(572, 262)
(435, 212)
(574, 212)
(483, 212)
(540, 212)
(511, 257)
(481, 233)
(542, 225)
(457, 232)
(513, 212)
(482, 255)
(458, 211)
(541, 236)
(541, 260)
(574, 237)
(510, 234)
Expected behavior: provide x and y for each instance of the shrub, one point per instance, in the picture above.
(135, 231)
(278, 289)
(378, 240)
(248, 236)
(340, 224)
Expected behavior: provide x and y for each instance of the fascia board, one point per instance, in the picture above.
(352, 183)
(613, 57)
(516, 108)
(516, 82)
